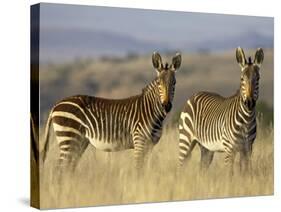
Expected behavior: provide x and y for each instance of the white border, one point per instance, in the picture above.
(14, 77)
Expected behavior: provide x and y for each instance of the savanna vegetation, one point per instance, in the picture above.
(109, 178)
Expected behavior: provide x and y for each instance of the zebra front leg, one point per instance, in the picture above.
(229, 161)
(139, 152)
(206, 158)
(148, 160)
(245, 161)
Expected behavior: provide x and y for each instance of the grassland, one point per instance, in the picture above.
(109, 178)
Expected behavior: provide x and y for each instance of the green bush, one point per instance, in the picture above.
(265, 113)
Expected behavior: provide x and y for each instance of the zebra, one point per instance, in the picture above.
(114, 124)
(220, 124)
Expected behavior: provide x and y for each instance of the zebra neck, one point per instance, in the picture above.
(245, 116)
(151, 99)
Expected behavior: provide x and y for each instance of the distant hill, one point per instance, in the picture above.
(60, 45)
(250, 39)
(66, 44)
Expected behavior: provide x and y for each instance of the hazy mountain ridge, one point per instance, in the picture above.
(60, 45)
(251, 39)
(67, 44)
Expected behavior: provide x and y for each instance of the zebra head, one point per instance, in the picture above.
(250, 75)
(166, 78)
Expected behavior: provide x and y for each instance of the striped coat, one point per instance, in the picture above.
(221, 124)
(114, 125)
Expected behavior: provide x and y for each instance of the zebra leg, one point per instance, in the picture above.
(206, 158)
(139, 150)
(245, 160)
(148, 155)
(229, 160)
(66, 165)
(70, 153)
(186, 138)
(185, 148)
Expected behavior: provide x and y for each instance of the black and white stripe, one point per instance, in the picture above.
(114, 125)
(221, 124)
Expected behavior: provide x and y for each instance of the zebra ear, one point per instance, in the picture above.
(259, 57)
(157, 61)
(176, 62)
(240, 57)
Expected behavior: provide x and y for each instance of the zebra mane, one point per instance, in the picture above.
(150, 86)
(166, 67)
(234, 95)
(250, 61)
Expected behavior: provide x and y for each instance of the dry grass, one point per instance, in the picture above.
(109, 178)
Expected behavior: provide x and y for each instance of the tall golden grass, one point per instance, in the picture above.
(109, 178)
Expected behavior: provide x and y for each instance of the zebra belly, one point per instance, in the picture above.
(106, 146)
(215, 146)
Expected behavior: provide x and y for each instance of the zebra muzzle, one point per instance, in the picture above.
(168, 107)
(250, 103)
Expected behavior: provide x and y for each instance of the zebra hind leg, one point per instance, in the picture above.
(186, 139)
(186, 146)
(66, 165)
(69, 156)
(64, 171)
(206, 158)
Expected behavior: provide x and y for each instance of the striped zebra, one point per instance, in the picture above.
(114, 124)
(221, 124)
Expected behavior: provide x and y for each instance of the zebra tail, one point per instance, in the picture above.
(46, 138)
(34, 138)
